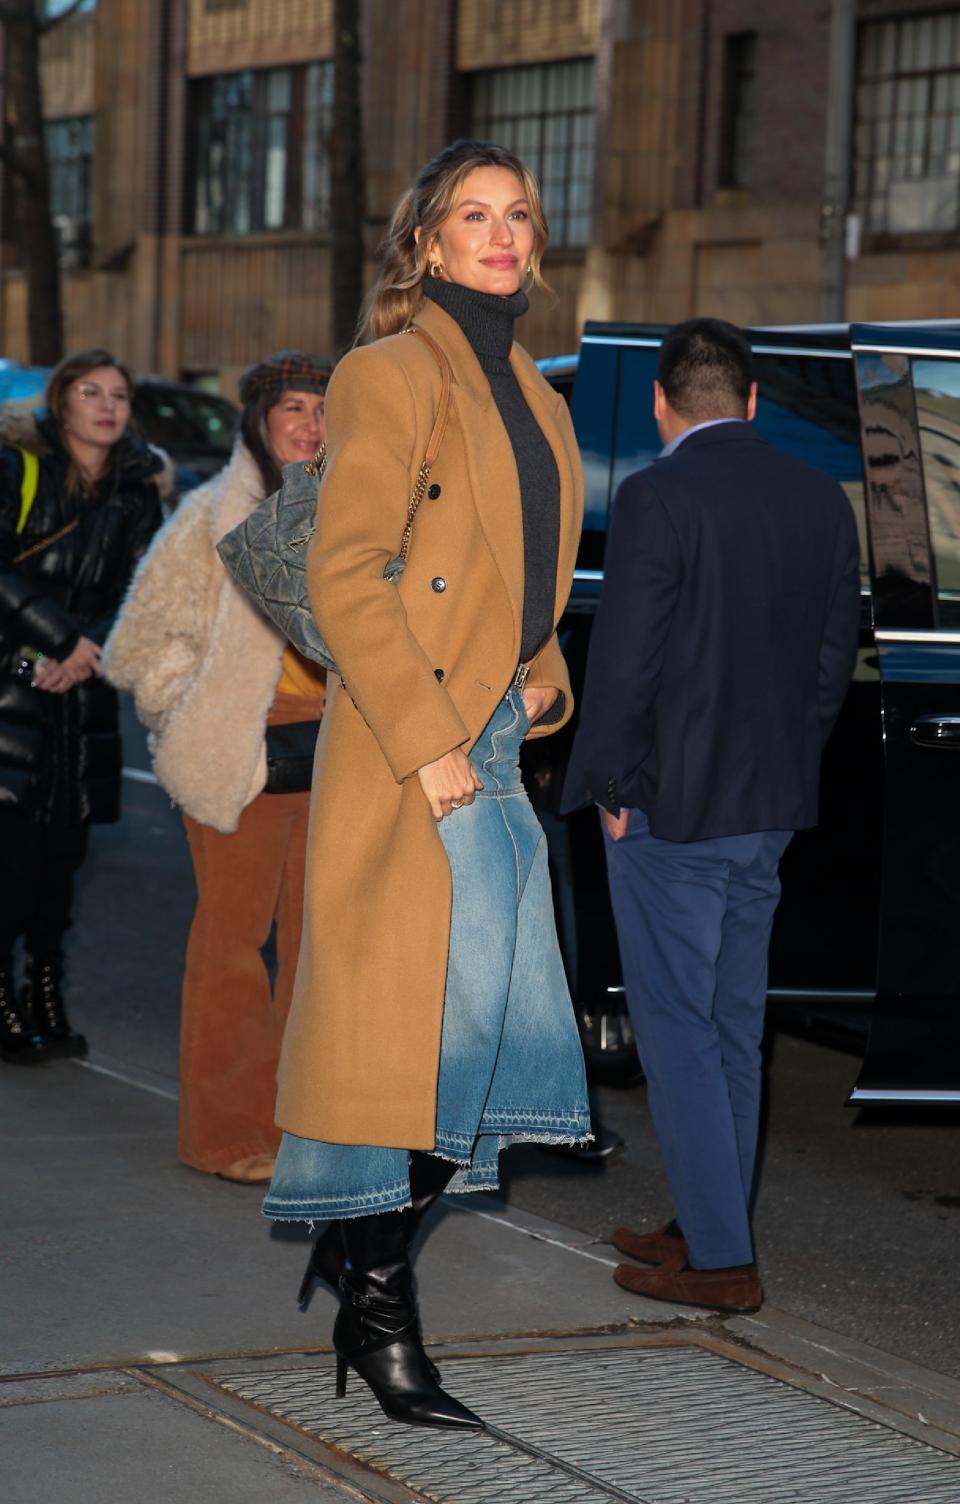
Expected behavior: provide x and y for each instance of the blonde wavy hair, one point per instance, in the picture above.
(396, 294)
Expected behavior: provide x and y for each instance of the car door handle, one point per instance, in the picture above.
(936, 731)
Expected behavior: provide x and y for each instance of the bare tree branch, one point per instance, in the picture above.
(52, 22)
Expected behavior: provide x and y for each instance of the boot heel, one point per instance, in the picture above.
(341, 1377)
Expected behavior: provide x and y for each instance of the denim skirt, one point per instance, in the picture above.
(511, 1066)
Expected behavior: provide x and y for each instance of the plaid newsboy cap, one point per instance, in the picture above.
(286, 371)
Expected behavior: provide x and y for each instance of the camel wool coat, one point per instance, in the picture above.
(424, 664)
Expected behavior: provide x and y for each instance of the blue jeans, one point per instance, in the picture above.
(693, 922)
(511, 1066)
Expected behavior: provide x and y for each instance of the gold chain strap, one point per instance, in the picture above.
(318, 464)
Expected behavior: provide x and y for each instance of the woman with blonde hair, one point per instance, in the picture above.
(233, 714)
(431, 1022)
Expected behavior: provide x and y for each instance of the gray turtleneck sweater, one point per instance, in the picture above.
(487, 321)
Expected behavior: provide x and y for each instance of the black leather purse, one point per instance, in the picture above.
(290, 752)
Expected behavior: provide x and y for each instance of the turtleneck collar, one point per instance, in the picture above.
(486, 320)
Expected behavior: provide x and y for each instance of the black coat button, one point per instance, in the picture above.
(438, 583)
(440, 675)
(434, 491)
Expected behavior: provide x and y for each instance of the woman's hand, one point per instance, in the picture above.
(82, 664)
(536, 702)
(449, 783)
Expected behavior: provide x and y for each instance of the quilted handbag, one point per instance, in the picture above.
(267, 553)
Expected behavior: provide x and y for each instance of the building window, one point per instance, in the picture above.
(262, 150)
(70, 158)
(545, 114)
(739, 110)
(906, 168)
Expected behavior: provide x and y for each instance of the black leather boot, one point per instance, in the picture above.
(429, 1178)
(20, 1044)
(377, 1330)
(44, 997)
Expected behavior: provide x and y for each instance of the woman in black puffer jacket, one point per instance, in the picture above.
(79, 502)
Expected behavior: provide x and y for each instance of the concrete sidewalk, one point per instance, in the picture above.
(151, 1348)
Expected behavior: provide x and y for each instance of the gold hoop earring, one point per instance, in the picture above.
(436, 269)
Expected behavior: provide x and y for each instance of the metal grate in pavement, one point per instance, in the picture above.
(675, 1425)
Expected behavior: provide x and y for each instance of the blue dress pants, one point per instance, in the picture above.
(693, 921)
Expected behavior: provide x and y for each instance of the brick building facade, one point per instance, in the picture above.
(682, 145)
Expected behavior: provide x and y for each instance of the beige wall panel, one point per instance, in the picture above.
(727, 280)
(15, 343)
(748, 283)
(914, 285)
(95, 306)
(241, 301)
(407, 86)
(67, 68)
(552, 327)
(642, 142)
(125, 81)
(225, 35)
(501, 33)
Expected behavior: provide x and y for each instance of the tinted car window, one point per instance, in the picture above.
(936, 385)
(637, 440)
(807, 405)
(592, 408)
(181, 420)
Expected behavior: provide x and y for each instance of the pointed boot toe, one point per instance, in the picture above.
(403, 1383)
(441, 1409)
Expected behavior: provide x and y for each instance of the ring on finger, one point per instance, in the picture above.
(456, 804)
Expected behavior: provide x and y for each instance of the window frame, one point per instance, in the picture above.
(502, 125)
(257, 120)
(738, 110)
(873, 156)
(65, 164)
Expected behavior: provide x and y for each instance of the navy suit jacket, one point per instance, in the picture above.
(724, 641)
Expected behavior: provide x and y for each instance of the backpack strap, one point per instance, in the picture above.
(29, 485)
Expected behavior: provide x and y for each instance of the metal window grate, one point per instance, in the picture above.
(651, 1426)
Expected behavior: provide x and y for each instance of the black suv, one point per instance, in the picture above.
(870, 915)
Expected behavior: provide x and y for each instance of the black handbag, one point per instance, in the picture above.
(266, 554)
(290, 752)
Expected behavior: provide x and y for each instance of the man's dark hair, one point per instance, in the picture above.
(706, 368)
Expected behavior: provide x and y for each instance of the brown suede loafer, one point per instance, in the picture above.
(735, 1290)
(669, 1249)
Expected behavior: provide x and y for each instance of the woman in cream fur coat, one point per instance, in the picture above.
(210, 676)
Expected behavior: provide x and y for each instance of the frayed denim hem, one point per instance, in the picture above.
(514, 1125)
(392, 1198)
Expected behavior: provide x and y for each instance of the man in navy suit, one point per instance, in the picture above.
(722, 651)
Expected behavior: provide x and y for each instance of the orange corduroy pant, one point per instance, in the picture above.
(231, 1018)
